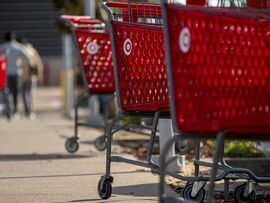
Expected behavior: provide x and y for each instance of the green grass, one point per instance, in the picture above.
(241, 149)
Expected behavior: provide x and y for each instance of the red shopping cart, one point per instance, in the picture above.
(218, 62)
(93, 45)
(3, 68)
(140, 73)
(94, 48)
(3, 86)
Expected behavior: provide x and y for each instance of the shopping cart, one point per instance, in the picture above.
(218, 70)
(94, 48)
(140, 74)
(3, 86)
(93, 45)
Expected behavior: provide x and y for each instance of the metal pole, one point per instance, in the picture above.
(166, 134)
(68, 74)
(89, 10)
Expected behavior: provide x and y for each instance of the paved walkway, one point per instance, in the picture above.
(36, 168)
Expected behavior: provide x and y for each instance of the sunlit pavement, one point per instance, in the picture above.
(36, 168)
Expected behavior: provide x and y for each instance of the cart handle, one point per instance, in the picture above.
(79, 19)
(81, 22)
(137, 8)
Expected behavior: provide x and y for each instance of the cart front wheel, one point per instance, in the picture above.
(188, 190)
(239, 195)
(104, 190)
(100, 143)
(72, 145)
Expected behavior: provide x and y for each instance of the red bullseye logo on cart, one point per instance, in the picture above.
(3, 67)
(127, 47)
(92, 48)
(184, 40)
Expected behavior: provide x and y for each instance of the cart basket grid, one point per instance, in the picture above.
(93, 44)
(141, 71)
(220, 69)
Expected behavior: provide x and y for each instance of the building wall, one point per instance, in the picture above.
(36, 21)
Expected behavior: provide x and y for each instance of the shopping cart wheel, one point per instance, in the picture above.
(104, 190)
(100, 143)
(72, 145)
(239, 195)
(187, 193)
(184, 146)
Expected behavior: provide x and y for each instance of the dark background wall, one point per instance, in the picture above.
(34, 20)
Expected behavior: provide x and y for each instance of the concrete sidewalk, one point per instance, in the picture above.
(36, 168)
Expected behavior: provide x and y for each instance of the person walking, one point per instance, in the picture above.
(15, 53)
(31, 71)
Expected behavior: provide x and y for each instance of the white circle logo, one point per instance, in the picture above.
(184, 40)
(127, 47)
(92, 48)
(3, 66)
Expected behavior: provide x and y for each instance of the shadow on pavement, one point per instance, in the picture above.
(99, 200)
(142, 190)
(38, 157)
(67, 175)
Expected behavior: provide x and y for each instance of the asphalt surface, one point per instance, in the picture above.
(35, 166)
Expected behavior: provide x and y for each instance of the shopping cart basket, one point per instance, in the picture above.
(218, 62)
(3, 68)
(3, 86)
(93, 43)
(140, 73)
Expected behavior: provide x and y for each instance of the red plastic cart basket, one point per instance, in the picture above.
(3, 85)
(220, 69)
(3, 68)
(218, 62)
(93, 43)
(141, 72)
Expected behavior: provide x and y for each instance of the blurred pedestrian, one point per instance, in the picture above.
(15, 53)
(31, 71)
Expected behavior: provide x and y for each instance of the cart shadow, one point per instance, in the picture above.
(141, 190)
(123, 200)
(38, 157)
(66, 175)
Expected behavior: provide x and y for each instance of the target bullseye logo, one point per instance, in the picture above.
(3, 66)
(127, 47)
(92, 48)
(184, 40)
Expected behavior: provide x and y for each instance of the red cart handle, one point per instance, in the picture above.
(137, 8)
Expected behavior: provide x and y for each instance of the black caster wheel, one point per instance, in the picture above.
(72, 145)
(187, 193)
(184, 146)
(104, 190)
(100, 143)
(239, 195)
